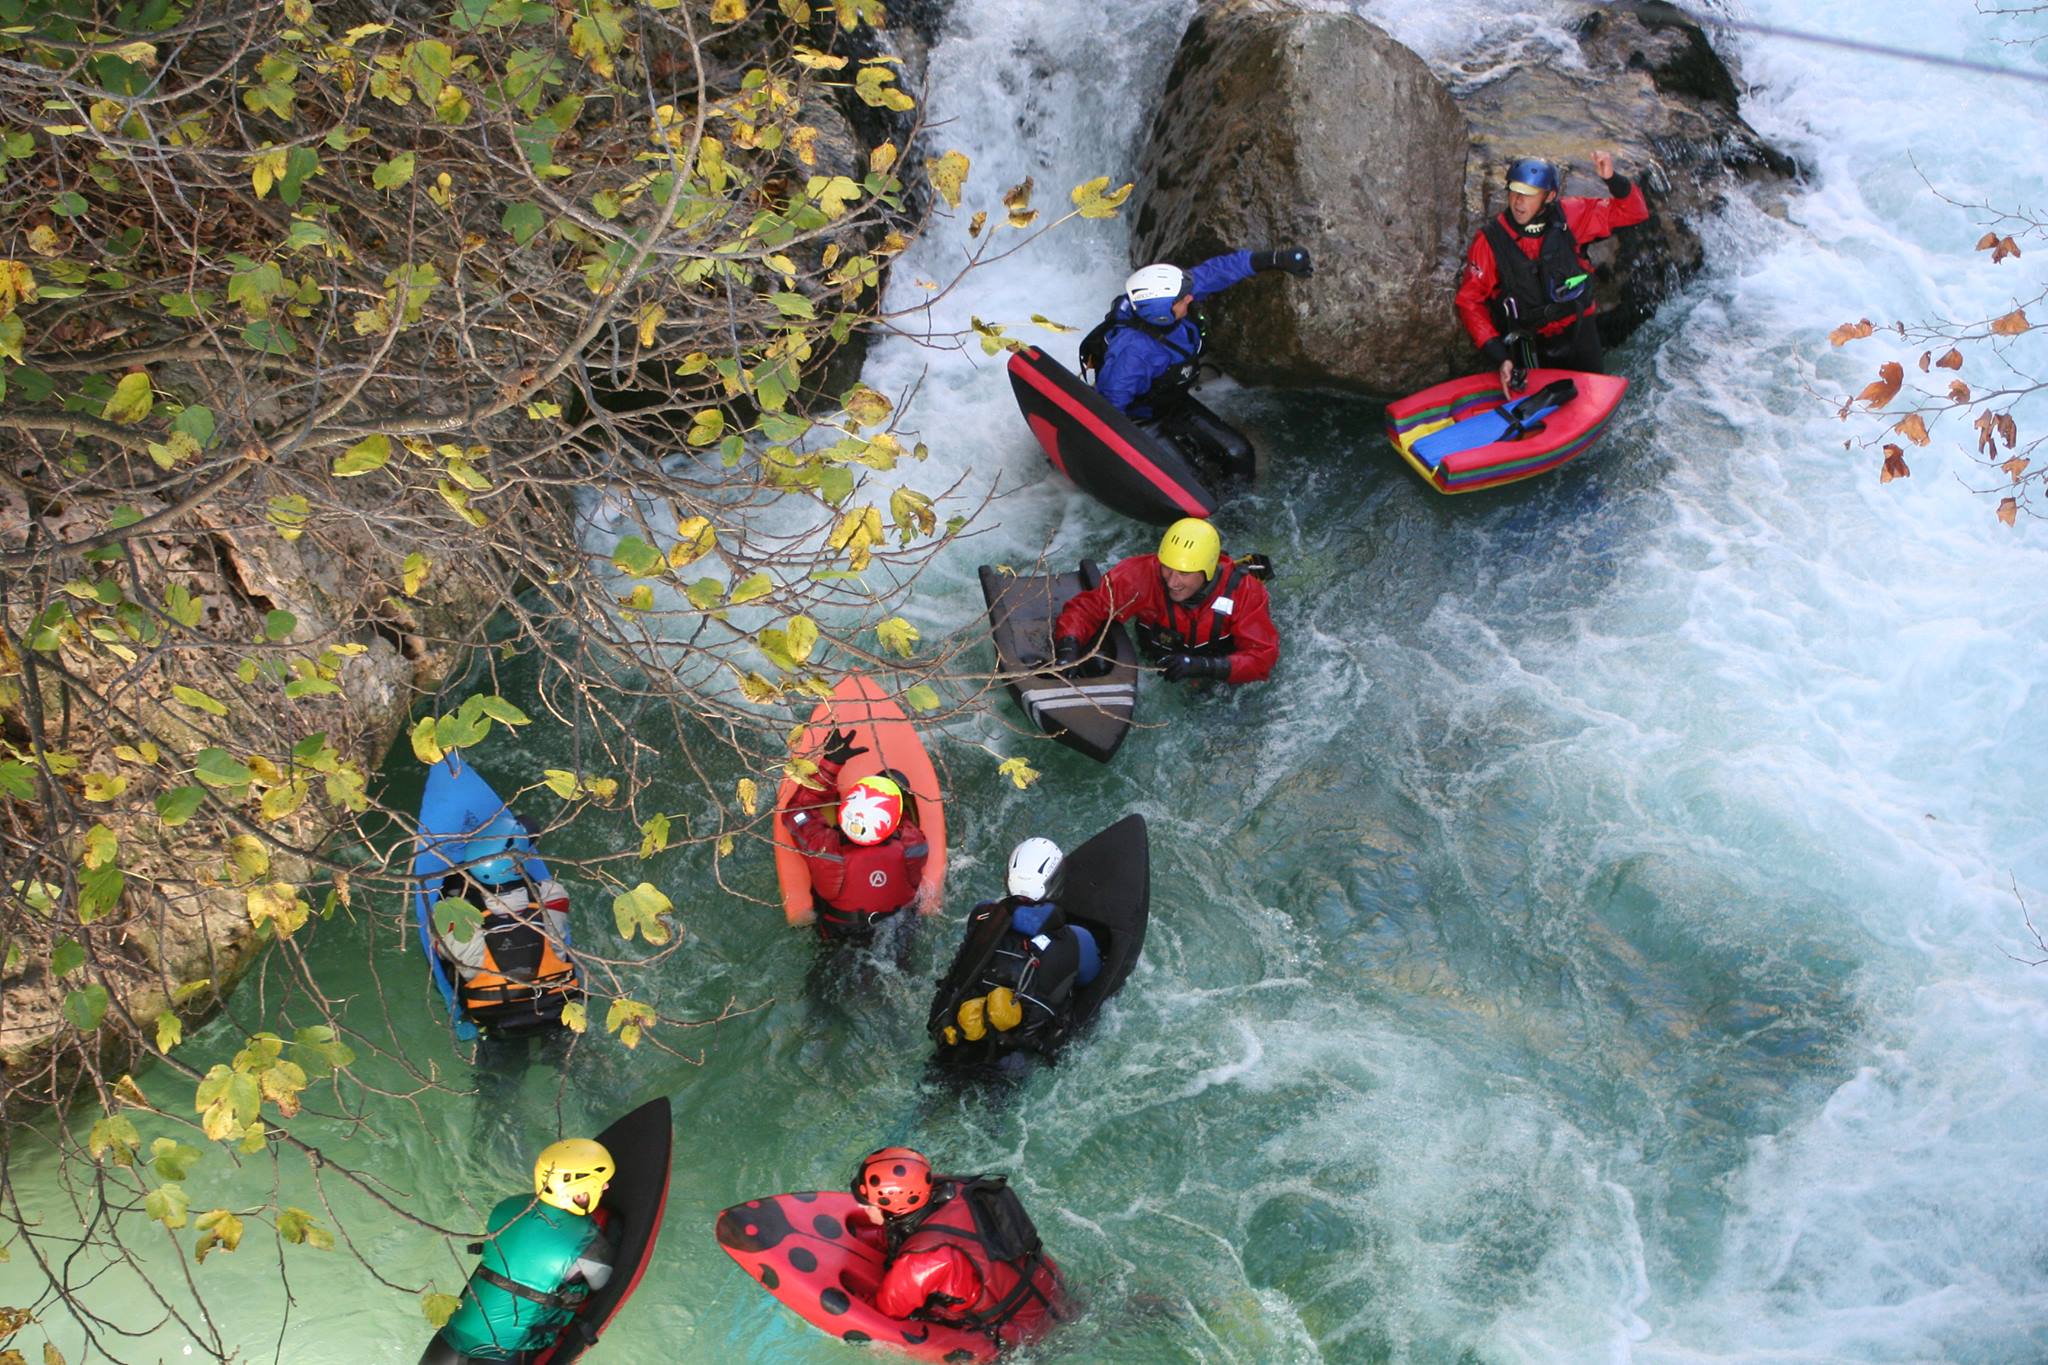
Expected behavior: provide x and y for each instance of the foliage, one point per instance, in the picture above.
(2003, 361)
(333, 337)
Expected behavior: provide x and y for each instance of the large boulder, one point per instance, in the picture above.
(1284, 124)
(1282, 127)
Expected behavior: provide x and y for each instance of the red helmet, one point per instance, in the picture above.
(895, 1180)
(871, 810)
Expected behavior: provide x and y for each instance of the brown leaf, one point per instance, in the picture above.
(1925, 356)
(2006, 248)
(1952, 361)
(1958, 391)
(2008, 511)
(1885, 387)
(2008, 428)
(1986, 445)
(2011, 325)
(1849, 331)
(2016, 466)
(1894, 465)
(1912, 428)
(1987, 241)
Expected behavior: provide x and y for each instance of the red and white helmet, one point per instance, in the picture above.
(871, 810)
(896, 1180)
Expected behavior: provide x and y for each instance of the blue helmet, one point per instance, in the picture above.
(493, 854)
(1531, 176)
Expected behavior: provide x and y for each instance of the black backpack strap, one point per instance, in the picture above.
(528, 1292)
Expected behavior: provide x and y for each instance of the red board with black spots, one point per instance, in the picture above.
(818, 1253)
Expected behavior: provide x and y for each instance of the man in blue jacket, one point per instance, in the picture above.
(1147, 352)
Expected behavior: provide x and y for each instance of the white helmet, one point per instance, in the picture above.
(1033, 865)
(1154, 290)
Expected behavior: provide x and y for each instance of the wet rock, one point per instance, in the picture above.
(1283, 127)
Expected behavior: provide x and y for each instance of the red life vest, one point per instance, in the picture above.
(1019, 1299)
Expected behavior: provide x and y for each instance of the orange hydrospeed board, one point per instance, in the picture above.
(859, 704)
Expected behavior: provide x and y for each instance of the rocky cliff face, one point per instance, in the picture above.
(1286, 125)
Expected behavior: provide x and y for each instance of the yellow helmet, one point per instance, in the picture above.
(571, 1174)
(1191, 545)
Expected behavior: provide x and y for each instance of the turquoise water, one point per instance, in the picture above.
(1593, 948)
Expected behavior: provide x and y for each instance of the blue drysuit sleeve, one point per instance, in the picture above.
(1218, 273)
(1133, 362)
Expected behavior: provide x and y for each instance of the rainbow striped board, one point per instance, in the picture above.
(1423, 428)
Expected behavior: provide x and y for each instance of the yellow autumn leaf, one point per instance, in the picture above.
(801, 637)
(750, 795)
(1018, 771)
(650, 318)
(695, 538)
(866, 407)
(898, 635)
(1096, 200)
(132, 399)
(949, 173)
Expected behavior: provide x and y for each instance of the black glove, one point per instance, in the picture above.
(1194, 667)
(1066, 652)
(839, 747)
(1291, 259)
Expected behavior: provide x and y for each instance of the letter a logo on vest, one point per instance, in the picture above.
(878, 879)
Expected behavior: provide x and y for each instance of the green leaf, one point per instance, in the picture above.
(311, 687)
(183, 607)
(66, 957)
(426, 743)
(171, 1159)
(219, 768)
(197, 700)
(99, 891)
(301, 1229)
(197, 422)
(642, 909)
(86, 1008)
(264, 337)
(457, 919)
(758, 585)
(17, 779)
(439, 1308)
(653, 835)
(167, 1204)
(498, 709)
(522, 220)
(131, 401)
(69, 204)
(278, 624)
(365, 456)
(176, 806)
(705, 593)
(395, 172)
(634, 556)
(115, 1133)
(170, 1031)
(792, 305)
